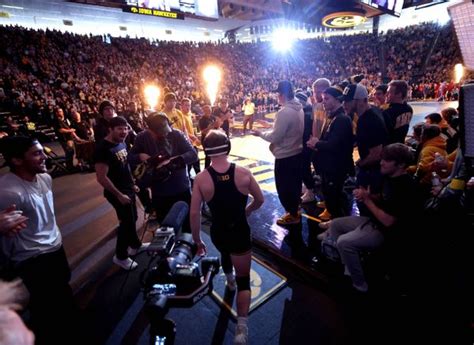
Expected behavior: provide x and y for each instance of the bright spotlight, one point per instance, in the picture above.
(212, 77)
(283, 40)
(152, 93)
(458, 72)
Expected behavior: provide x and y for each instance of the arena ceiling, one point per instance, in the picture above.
(309, 11)
(236, 16)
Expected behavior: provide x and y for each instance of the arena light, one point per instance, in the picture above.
(458, 72)
(152, 93)
(212, 78)
(282, 40)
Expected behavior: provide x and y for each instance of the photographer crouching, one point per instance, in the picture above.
(164, 153)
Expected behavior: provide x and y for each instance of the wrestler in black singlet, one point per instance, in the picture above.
(230, 231)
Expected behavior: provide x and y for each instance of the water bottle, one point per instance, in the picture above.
(435, 179)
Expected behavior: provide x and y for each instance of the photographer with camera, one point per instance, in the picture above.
(165, 153)
(225, 188)
(113, 173)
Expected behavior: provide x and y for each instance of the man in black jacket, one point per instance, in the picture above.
(334, 152)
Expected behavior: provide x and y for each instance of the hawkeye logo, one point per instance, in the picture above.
(341, 20)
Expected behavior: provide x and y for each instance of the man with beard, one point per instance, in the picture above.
(166, 152)
(34, 252)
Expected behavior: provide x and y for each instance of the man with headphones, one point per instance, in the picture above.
(225, 187)
(167, 152)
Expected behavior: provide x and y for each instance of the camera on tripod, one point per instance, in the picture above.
(175, 281)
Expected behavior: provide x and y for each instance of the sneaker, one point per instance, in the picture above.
(321, 204)
(288, 219)
(127, 264)
(325, 215)
(141, 249)
(241, 335)
(325, 225)
(308, 196)
(322, 235)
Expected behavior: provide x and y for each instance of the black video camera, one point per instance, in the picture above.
(163, 167)
(175, 281)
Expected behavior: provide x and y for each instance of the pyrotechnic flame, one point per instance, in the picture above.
(152, 93)
(458, 72)
(212, 77)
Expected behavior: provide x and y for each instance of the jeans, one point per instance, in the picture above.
(355, 234)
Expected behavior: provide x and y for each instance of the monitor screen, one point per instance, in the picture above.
(202, 8)
(393, 7)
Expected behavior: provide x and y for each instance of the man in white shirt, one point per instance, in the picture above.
(35, 253)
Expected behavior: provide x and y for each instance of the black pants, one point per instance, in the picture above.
(68, 147)
(163, 204)
(336, 201)
(127, 231)
(54, 314)
(288, 177)
(306, 168)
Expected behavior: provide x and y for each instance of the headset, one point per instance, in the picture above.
(222, 146)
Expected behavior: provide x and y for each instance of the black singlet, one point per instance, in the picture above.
(230, 231)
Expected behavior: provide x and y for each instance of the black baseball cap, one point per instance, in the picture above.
(285, 88)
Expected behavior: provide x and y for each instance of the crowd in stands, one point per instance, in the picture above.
(41, 70)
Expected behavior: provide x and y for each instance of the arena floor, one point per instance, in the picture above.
(303, 310)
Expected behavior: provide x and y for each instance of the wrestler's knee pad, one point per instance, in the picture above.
(243, 283)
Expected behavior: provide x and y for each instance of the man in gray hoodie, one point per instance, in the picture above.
(286, 144)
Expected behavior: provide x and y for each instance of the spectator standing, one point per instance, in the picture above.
(286, 145)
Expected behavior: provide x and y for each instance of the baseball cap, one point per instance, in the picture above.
(334, 91)
(159, 123)
(104, 104)
(170, 96)
(284, 87)
(355, 91)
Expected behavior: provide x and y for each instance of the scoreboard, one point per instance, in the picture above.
(174, 9)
